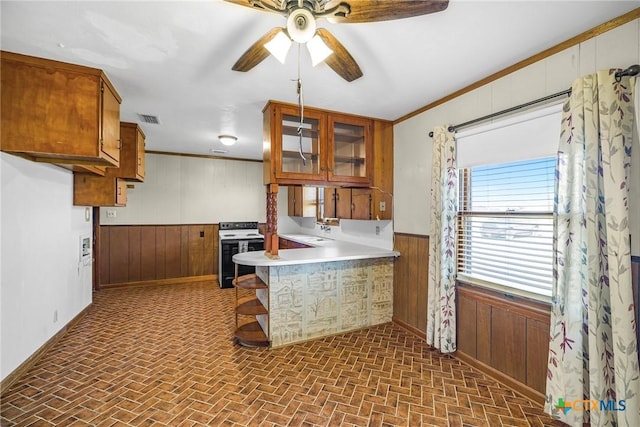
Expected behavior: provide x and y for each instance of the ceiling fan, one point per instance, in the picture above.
(301, 27)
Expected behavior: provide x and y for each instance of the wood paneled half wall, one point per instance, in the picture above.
(137, 253)
(410, 275)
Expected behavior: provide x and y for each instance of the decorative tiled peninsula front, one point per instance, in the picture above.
(309, 301)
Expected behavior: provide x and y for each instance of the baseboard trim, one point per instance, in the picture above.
(515, 385)
(22, 369)
(173, 281)
(520, 388)
(412, 329)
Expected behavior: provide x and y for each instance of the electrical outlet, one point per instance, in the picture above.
(377, 230)
(383, 206)
(111, 213)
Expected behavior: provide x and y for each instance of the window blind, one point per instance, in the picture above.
(531, 135)
(505, 225)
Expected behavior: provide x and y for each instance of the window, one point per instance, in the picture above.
(505, 221)
(505, 226)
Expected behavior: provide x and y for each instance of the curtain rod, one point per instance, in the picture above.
(631, 71)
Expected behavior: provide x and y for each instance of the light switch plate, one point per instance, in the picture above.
(383, 206)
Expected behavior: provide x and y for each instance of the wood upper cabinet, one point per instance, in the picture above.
(361, 203)
(93, 190)
(59, 113)
(347, 203)
(111, 188)
(350, 150)
(328, 148)
(302, 201)
(132, 154)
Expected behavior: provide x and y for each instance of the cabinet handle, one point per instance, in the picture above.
(119, 144)
(119, 191)
(139, 161)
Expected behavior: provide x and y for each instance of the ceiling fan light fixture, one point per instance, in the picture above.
(279, 46)
(301, 25)
(227, 139)
(318, 50)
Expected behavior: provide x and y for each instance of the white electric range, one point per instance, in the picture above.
(236, 237)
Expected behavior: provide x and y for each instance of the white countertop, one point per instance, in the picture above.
(321, 250)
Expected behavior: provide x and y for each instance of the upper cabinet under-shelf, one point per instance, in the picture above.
(327, 148)
(59, 113)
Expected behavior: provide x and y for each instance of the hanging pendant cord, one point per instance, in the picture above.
(300, 111)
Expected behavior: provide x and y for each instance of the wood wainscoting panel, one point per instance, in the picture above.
(422, 284)
(410, 278)
(173, 253)
(537, 353)
(118, 254)
(138, 253)
(466, 325)
(508, 343)
(483, 327)
(103, 256)
(148, 253)
(161, 252)
(511, 337)
(134, 253)
(196, 249)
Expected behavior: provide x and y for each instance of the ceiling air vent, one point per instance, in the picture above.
(148, 118)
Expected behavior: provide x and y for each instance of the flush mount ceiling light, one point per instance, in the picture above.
(227, 139)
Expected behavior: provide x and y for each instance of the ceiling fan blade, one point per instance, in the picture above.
(341, 60)
(247, 3)
(386, 10)
(256, 53)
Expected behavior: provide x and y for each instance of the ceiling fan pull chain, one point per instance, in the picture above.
(300, 111)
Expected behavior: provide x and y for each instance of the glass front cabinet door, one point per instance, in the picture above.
(324, 148)
(299, 153)
(350, 149)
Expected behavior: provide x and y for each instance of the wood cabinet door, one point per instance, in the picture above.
(294, 203)
(140, 148)
(343, 203)
(329, 202)
(350, 149)
(120, 192)
(360, 203)
(289, 146)
(110, 125)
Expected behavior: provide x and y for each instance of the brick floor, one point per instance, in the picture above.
(164, 355)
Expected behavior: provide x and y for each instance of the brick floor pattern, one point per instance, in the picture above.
(164, 355)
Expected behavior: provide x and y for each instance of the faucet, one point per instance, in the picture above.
(325, 227)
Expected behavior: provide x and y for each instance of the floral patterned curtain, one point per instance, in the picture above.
(441, 309)
(593, 374)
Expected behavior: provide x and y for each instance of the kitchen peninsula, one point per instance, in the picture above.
(328, 288)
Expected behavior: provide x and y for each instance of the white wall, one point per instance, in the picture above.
(39, 257)
(193, 190)
(617, 48)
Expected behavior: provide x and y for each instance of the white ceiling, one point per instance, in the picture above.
(173, 59)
